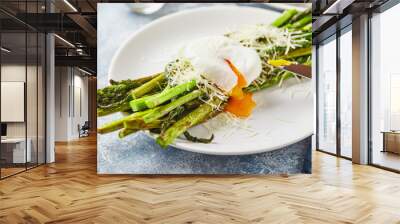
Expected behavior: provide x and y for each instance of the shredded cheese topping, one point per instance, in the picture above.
(268, 40)
(270, 43)
(181, 71)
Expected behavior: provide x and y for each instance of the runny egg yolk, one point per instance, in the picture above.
(240, 103)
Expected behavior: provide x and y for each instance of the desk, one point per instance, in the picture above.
(15, 148)
(391, 141)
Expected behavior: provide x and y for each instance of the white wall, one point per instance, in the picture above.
(33, 127)
(80, 110)
(13, 101)
(16, 73)
(69, 84)
(62, 81)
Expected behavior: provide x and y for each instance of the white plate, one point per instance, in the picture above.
(283, 115)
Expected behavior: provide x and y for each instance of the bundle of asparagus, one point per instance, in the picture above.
(160, 106)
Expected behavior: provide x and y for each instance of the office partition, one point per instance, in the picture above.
(23, 89)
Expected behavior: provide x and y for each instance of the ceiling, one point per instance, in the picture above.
(76, 22)
(332, 15)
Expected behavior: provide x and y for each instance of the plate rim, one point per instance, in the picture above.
(235, 152)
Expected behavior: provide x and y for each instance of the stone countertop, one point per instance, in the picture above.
(139, 154)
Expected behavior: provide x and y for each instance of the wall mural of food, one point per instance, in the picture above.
(213, 80)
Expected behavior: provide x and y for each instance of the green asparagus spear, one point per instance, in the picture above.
(298, 52)
(115, 98)
(165, 109)
(148, 86)
(135, 82)
(193, 104)
(138, 123)
(284, 18)
(169, 94)
(118, 124)
(264, 85)
(302, 22)
(307, 28)
(134, 125)
(192, 138)
(125, 132)
(118, 90)
(300, 15)
(193, 118)
(139, 104)
(269, 83)
(117, 107)
(112, 94)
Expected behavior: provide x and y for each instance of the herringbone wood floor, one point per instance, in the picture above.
(70, 191)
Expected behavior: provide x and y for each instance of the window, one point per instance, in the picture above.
(385, 89)
(346, 92)
(327, 95)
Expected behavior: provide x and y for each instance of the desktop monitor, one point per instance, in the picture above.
(3, 129)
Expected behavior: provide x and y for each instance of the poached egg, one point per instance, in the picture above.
(228, 65)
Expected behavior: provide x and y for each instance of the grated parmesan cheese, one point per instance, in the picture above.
(181, 71)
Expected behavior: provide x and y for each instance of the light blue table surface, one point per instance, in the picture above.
(139, 154)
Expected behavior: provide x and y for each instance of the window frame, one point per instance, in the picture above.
(337, 35)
